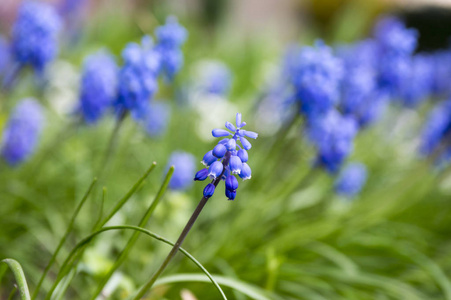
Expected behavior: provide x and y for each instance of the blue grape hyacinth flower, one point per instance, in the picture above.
(396, 44)
(185, 168)
(35, 33)
(417, 85)
(170, 38)
(315, 74)
(138, 77)
(21, 133)
(361, 97)
(333, 136)
(98, 86)
(228, 158)
(351, 180)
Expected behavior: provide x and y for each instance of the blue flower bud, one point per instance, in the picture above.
(242, 154)
(215, 169)
(230, 194)
(238, 119)
(230, 126)
(245, 171)
(251, 134)
(245, 143)
(208, 159)
(231, 145)
(209, 190)
(219, 150)
(235, 164)
(201, 175)
(231, 183)
(220, 132)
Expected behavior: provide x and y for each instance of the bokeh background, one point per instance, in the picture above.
(287, 235)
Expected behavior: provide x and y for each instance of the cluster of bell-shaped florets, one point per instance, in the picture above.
(227, 159)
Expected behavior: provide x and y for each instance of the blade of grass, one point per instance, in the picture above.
(19, 276)
(63, 270)
(63, 239)
(127, 196)
(251, 291)
(89, 238)
(131, 242)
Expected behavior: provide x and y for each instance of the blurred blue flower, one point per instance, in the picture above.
(315, 74)
(417, 85)
(98, 86)
(361, 97)
(21, 133)
(213, 77)
(351, 180)
(436, 128)
(5, 54)
(185, 168)
(170, 38)
(157, 118)
(34, 36)
(396, 44)
(224, 161)
(333, 136)
(138, 77)
(441, 77)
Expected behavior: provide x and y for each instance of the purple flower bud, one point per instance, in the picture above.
(220, 132)
(230, 126)
(209, 190)
(235, 164)
(231, 145)
(201, 175)
(242, 154)
(231, 183)
(230, 194)
(245, 143)
(238, 119)
(219, 150)
(208, 159)
(215, 169)
(251, 134)
(245, 172)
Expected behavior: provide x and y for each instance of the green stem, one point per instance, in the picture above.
(182, 236)
(124, 254)
(88, 239)
(19, 276)
(63, 239)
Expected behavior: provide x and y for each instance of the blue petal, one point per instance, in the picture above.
(245, 143)
(245, 171)
(231, 145)
(209, 190)
(219, 150)
(230, 126)
(242, 154)
(251, 134)
(201, 175)
(230, 194)
(223, 141)
(215, 169)
(235, 164)
(220, 132)
(238, 119)
(231, 183)
(242, 124)
(208, 159)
